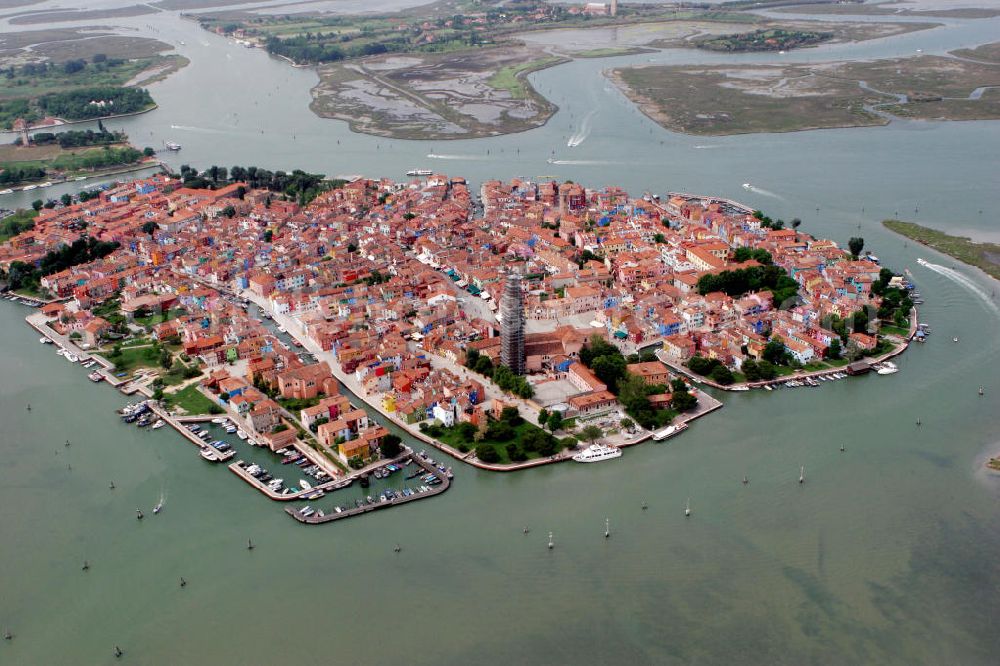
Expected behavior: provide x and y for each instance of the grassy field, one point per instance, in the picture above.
(74, 161)
(986, 53)
(985, 256)
(191, 400)
(512, 77)
(14, 224)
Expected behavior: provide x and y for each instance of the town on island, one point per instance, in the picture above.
(536, 322)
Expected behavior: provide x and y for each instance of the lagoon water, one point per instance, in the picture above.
(887, 554)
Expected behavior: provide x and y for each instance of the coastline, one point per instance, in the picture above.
(62, 122)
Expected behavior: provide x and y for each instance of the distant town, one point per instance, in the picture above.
(508, 329)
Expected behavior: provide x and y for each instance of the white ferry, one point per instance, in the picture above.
(597, 453)
(661, 435)
(419, 172)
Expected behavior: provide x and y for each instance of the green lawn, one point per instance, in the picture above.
(294, 405)
(158, 317)
(191, 401)
(511, 78)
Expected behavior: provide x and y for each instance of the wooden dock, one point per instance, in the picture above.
(316, 519)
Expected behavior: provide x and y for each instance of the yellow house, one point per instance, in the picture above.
(389, 402)
(355, 447)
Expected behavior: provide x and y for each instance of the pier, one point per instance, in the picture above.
(317, 519)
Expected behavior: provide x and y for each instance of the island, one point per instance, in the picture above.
(982, 255)
(739, 99)
(75, 75)
(774, 39)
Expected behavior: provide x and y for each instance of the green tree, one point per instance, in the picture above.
(554, 422)
(722, 375)
(543, 416)
(774, 352)
(609, 369)
(856, 245)
(591, 433)
(37, 204)
(834, 351)
(391, 445)
(627, 423)
(66, 199)
(487, 453)
(166, 359)
(149, 227)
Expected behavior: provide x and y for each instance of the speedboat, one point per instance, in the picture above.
(242, 435)
(598, 453)
(156, 509)
(746, 186)
(209, 454)
(95, 376)
(887, 368)
(72, 358)
(7, 191)
(305, 485)
(159, 424)
(218, 420)
(45, 341)
(171, 145)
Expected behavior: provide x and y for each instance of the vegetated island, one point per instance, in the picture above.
(740, 99)
(64, 155)
(773, 39)
(985, 256)
(70, 80)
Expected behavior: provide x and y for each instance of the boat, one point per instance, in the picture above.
(159, 424)
(45, 341)
(209, 454)
(305, 485)
(159, 505)
(95, 376)
(597, 453)
(7, 191)
(28, 188)
(172, 145)
(72, 358)
(661, 435)
(747, 186)
(739, 388)
(218, 420)
(419, 172)
(242, 435)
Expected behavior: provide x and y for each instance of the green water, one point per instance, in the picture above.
(887, 554)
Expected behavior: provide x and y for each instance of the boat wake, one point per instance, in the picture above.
(471, 158)
(761, 191)
(583, 162)
(964, 281)
(584, 131)
(707, 147)
(188, 128)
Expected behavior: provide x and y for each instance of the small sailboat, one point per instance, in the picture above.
(607, 528)
(802, 474)
(552, 544)
(687, 508)
(138, 514)
(183, 582)
(118, 652)
(746, 480)
(526, 530)
(86, 565)
(158, 507)
(842, 448)
(397, 548)
(112, 485)
(981, 390)
(250, 545)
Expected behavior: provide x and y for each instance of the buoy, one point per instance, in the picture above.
(86, 565)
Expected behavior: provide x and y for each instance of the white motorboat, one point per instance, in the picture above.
(218, 420)
(171, 145)
(887, 368)
(159, 424)
(305, 485)
(208, 454)
(661, 435)
(597, 453)
(72, 358)
(7, 191)
(419, 172)
(242, 435)
(45, 341)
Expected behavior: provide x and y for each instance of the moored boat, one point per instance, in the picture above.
(598, 453)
